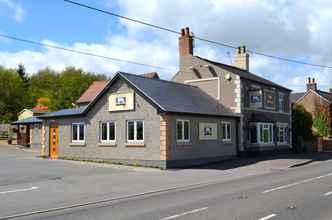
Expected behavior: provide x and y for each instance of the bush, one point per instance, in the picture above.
(320, 124)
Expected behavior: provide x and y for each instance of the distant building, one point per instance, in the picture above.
(315, 101)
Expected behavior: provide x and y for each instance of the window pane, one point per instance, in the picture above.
(228, 131)
(223, 131)
(139, 126)
(103, 131)
(186, 130)
(111, 131)
(131, 130)
(179, 130)
(81, 132)
(74, 132)
(261, 133)
(270, 133)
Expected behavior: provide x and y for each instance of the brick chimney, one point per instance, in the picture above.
(241, 58)
(186, 43)
(311, 84)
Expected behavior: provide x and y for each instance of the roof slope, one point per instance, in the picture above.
(64, 112)
(177, 97)
(244, 74)
(30, 120)
(94, 89)
(294, 97)
(167, 96)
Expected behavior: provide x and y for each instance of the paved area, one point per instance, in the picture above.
(29, 183)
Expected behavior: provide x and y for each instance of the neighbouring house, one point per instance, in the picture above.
(94, 89)
(145, 121)
(263, 106)
(29, 126)
(315, 101)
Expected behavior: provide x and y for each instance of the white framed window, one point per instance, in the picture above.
(282, 134)
(226, 131)
(182, 130)
(255, 98)
(281, 102)
(261, 133)
(78, 132)
(107, 131)
(135, 131)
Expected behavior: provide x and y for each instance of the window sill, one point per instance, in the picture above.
(77, 144)
(107, 144)
(227, 141)
(183, 143)
(282, 143)
(135, 144)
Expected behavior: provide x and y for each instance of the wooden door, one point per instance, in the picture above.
(54, 141)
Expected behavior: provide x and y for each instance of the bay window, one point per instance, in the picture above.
(282, 134)
(261, 133)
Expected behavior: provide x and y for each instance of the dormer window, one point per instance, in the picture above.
(255, 97)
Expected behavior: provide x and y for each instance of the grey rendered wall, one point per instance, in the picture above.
(192, 67)
(200, 149)
(92, 149)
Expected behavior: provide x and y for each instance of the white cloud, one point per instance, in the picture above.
(295, 29)
(13, 10)
(121, 47)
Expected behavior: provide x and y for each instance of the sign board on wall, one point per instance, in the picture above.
(121, 101)
(208, 131)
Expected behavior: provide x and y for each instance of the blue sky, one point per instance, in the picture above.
(295, 29)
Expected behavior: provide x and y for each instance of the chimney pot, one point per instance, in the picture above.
(313, 80)
(187, 31)
(182, 32)
(309, 80)
(311, 84)
(243, 49)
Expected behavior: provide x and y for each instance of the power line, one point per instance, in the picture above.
(196, 37)
(82, 52)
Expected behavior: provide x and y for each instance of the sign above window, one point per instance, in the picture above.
(121, 101)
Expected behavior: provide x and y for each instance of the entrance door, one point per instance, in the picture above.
(54, 141)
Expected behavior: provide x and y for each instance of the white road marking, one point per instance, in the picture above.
(185, 213)
(268, 217)
(328, 193)
(296, 183)
(19, 190)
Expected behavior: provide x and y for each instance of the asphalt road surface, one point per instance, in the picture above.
(302, 193)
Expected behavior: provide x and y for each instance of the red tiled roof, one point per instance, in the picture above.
(94, 89)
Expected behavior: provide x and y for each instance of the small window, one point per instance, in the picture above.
(78, 132)
(107, 131)
(226, 131)
(182, 130)
(281, 102)
(255, 98)
(135, 131)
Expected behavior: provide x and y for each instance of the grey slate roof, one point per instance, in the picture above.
(167, 96)
(296, 96)
(177, 97)
(64, 112)
(326, 95)
(244, 74)
(30, 120)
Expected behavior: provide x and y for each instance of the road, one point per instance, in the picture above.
(304, 192)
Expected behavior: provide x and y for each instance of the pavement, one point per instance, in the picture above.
(36, 188)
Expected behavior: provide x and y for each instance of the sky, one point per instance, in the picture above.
(294, 29)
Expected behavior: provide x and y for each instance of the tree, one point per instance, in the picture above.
(12, 95)
(22, 73)
(301, 122)
(320, 124)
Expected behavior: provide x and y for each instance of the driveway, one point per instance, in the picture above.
(29, 183)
